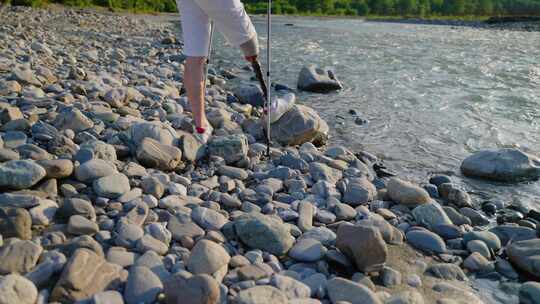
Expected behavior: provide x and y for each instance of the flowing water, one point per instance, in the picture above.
(432, 94)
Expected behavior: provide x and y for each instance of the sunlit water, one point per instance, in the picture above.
(432, 94)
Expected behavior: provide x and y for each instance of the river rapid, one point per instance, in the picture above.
(431, 94)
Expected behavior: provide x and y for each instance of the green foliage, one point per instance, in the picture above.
(413, 8)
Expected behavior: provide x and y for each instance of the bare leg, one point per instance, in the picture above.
(194, 82)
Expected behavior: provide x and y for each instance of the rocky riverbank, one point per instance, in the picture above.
(526, 25)
(108, 198)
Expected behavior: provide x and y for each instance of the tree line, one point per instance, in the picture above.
(416, 8)
(420, 8)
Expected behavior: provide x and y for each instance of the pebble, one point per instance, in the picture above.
(307, 250)
(142, 286)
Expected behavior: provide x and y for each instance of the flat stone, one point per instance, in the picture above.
(525, 256)
(15, 289)
(307, 250)
(447, 272)
(73, 119)
(506, 165)
(57, 168)
(426, 241)
(478, 263)
(292, 288)
(340, 289)
(84, 275)
(15, 222)
(19, 257)
(265, 233)
(406, 193)
(76, 206)
(198, 289)
(253, 272)
(153, 154)
(364, 245)
(20, 174)
(305, 215)
(208, 219)
(79, 225)
(142, 286)
(94, 169)
(260, 295)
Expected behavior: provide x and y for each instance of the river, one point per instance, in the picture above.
(432, 94)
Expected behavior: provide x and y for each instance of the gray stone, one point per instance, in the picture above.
(249, 94)
(390, 277)
(477, 218)
(479, 247)
(299, 125)
(456, 217)
(322, 234)
(507, 233)
(57, 168)
(112, 186)
(525, 256)
(128, 234)
(142, 286)
(84, 275)
(264, 232)
(406, 193)
(292, 288)
(208, 219)
(181, 228)
(108, 297)
(307, 250)
(507, 165)
(426, 241)
(529, 293)
(406, 297)
(430, 214)
(231, 148)
(79, 225)
(340, 289)
(98, 150)
(447, 272)
(156, 131)
(76, 206)
(198, 289)
(305, 215)
(15, 289)
(73, 119)
(320, 171)
(153, 154)
(52, 262)
(19, 256)
(315, 79)
(20, 174)
(15, 222)
(359, 191)
(362, 244)
(478, 263)
(94, 169)
(207, 257)
(260, 295)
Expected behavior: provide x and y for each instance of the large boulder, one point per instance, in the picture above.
(19, 257)
(299, 125)
(265, 233)
(315, 79)
(506, 165)
(85, 274)
(362, 244)
(525, 255)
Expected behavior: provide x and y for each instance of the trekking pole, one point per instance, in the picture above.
(268, 79)
(209, 55)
